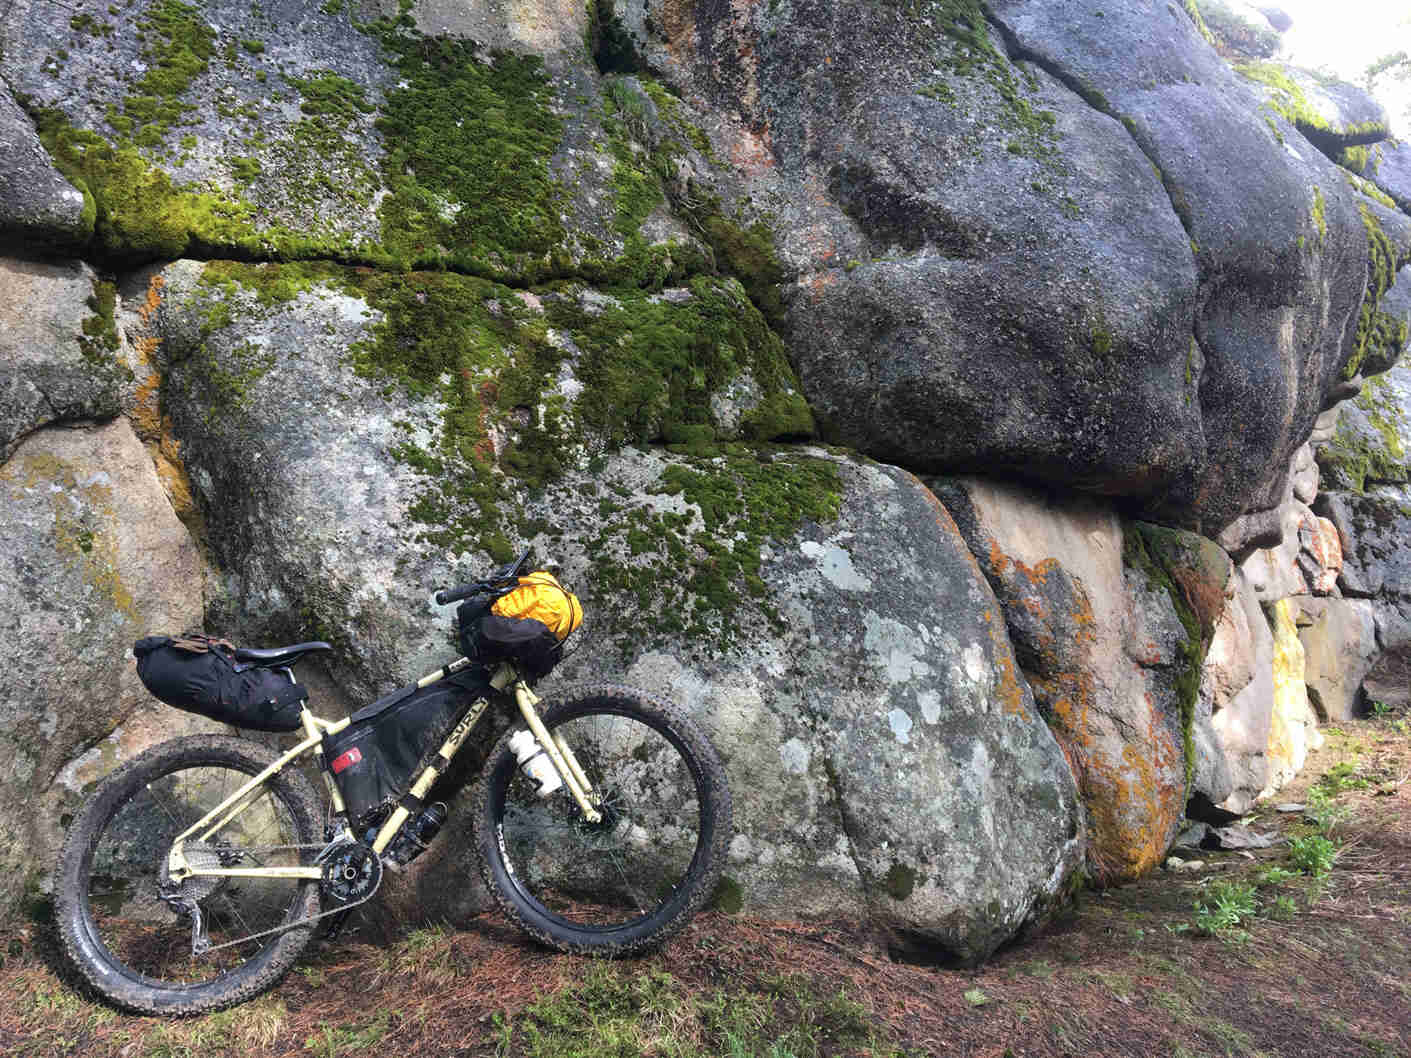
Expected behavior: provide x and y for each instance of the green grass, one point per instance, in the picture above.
(1224, 908)
(616, 1015)
(1313, 854)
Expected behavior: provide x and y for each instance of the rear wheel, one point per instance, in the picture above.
(629, 882)
(127, 926)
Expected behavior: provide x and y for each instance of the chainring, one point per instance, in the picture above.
(351, 873)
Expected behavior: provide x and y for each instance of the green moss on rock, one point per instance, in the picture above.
(454, 128)
(137, 211)
(651, 362)
(178, 48)
(1193, 571)
(900, 881)
(1380, 337)
(695, 569)
(729, 896)
(1287, 98)
(1353, 458)
(647, 366)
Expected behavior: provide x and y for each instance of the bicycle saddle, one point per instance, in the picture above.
(279, 655)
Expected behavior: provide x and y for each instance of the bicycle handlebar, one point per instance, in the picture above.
(502, 579)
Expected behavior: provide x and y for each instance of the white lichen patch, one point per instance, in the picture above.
(895, 646)
(930, 705)
(794, 756)
(835, 563)
(900, 722)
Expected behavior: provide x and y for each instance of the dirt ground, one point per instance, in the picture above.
(1321, 968)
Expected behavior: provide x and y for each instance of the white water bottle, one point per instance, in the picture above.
(535, 763)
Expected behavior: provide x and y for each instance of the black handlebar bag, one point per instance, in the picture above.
(385, 747)
(526, 624)
(200, 675)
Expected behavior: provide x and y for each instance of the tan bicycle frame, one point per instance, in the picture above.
(558, 751)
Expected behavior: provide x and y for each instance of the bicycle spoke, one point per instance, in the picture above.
(170, 814)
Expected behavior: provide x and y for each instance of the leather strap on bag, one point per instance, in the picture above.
(196, 643)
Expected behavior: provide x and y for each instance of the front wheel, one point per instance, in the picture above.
(629, 882)
(127, 926)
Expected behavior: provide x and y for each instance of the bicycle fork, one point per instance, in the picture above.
(560, 754)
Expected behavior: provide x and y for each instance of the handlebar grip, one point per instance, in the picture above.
(502, 578)
(450, 595)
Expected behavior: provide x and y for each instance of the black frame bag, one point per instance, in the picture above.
(386, 745)
(200, 675)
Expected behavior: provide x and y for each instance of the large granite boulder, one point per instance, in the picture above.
(923, 786)
(931, 196)
(58, 347)
(936, 319)
(1109, 627)
(38, 207)
(922, 790)
(97, 560)
(1279, 245)
(374, 132)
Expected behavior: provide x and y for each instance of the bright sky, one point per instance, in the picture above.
(1345, 36)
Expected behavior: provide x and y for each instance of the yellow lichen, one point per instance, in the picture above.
(83, 520)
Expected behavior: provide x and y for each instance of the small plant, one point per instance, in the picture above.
(976, 998)
(1282, 908)
(1313, 855)
(1342, 776)
(1223, 909)
(1324, 810)
(1379, 709)
(1274, 876)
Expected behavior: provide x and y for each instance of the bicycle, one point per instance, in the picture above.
(195, 875)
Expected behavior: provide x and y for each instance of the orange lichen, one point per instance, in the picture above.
(152, 427)
(1008, 688)
(1122, 776)
(153, 300)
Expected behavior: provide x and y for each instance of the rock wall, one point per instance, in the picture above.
(312, 308)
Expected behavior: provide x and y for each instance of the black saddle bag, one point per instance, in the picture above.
(200, 675)
(385, 747)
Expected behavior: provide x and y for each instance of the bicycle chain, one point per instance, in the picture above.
(326, 848)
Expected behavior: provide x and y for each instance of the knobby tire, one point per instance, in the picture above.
(114, 928)
(630, 883)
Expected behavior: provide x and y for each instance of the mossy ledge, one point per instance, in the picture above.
(1287, 99)
(532, 384)
(451, 121)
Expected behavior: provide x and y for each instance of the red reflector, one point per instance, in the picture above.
(344, 760)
